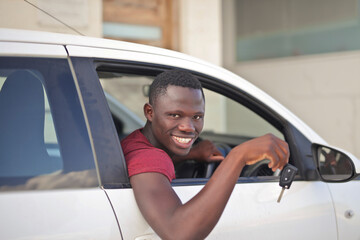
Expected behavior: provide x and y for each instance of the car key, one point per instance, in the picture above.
(287, 176)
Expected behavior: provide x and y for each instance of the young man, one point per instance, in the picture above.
(175, 117)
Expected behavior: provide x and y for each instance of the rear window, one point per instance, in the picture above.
(43, 138)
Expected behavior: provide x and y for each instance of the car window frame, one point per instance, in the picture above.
(307, 168)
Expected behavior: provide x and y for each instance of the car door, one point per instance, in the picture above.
(49, 187)
(252, 211)
(336, 166)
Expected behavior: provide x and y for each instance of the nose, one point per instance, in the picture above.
(186, 125)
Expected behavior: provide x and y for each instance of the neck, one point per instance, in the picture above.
(147, 132)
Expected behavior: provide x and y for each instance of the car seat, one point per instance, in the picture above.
(22, 112)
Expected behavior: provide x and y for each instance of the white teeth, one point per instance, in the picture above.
(182, 140)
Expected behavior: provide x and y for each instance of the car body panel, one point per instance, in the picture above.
(347, 208)
(12, 49)
(252, 206)
(60, 214)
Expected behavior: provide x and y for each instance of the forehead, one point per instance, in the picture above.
(176, 96)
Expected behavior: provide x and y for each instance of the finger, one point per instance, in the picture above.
(278, 158)
(282, 150)
(274, 161)
(216, 152)
(283, 158)
(215, 158)
(285, 148)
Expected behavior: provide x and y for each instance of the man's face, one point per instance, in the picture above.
(177, 120)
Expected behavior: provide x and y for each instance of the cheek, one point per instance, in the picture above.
(199, 126)
(162, 126)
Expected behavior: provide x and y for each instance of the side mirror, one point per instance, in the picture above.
(333, 165)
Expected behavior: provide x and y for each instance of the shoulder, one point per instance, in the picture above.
(142, 157)
(137, 143)
(136, 137)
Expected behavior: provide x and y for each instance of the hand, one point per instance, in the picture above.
(206, 151)
(265, 147)
(330, 159)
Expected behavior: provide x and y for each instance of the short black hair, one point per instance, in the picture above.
(174, 77)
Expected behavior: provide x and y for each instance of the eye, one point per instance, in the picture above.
(174, 115)
(198, 117)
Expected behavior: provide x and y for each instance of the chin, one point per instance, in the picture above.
(182, 152)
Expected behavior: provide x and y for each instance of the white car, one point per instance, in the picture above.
(65, 103)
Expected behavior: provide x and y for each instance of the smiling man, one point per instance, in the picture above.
(175, 118)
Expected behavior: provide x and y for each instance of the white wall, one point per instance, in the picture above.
(83, 15)
(201, 29)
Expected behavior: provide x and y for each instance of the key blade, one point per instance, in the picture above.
(281, 194)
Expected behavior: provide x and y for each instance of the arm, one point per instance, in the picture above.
(195, 219)
(204, 151)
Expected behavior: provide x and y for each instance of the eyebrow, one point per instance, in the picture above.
(179, 111)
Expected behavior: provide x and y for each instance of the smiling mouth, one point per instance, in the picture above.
(182, 140)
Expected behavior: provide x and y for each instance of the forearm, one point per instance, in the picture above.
(204, 210)
(165, 213)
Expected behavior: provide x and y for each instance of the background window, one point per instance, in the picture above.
(278, 28)
(151, 22)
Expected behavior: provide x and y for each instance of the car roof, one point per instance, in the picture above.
(30, 36)
(58, 39)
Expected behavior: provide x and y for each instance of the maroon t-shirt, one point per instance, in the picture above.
(142, 157)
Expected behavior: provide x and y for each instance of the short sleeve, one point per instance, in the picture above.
(150, 160)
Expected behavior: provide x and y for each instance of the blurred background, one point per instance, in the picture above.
(304, 53)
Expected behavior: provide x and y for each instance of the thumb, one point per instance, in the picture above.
(215, 158)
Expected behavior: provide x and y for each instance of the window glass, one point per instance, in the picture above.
(272, 29)
(43, 139)
(155, 27)
(27, 126)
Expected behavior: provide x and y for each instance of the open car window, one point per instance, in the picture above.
(225, 116)
(227, 122)
(126, 95)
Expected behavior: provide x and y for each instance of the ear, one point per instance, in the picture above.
(148, 111)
